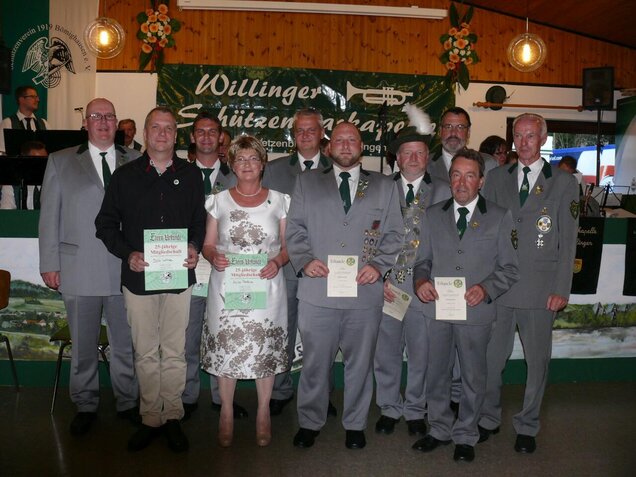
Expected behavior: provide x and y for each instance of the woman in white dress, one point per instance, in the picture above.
(246, 343)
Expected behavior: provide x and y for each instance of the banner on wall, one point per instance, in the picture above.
(48, 53)
(261, 101)
(589, 251)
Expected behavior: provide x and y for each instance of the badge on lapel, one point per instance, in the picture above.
(514, 238)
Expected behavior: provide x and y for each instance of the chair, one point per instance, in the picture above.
(64, 336)
(5, 284)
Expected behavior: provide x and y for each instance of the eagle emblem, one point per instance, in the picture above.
(47, 60)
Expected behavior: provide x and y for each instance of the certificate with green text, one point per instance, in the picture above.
(165, 250)
(244, 288)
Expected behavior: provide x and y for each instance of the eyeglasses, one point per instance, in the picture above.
(99, 116)
(458, 127)
(34, 96)
(246, 160)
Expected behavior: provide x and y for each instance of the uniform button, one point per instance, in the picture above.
(460, 252)
(519, 220)
(458, 268)
(342, 244)
(345, 223)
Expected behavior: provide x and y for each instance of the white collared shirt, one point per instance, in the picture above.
(353, 180)
(314, 159)
(111, 159)
(470, 206)
(533, 175)
(416, 184)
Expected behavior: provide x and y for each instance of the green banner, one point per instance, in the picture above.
(261, 101)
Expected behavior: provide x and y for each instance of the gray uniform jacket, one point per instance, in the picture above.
(545, 232)
(72, 195)
(317, 226)
(484, 255)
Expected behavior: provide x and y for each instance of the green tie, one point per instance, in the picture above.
(410, 196)
(525, 187)
(461, 222)
(207, 184)
(308, 165)
(105, 169)
(345, 193)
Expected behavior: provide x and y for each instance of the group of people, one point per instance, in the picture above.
(340, 244)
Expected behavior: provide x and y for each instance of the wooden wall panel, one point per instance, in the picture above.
(357, 43)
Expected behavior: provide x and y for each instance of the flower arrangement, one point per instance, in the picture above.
(156, 31)
(458, 48)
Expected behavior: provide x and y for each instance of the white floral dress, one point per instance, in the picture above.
(246, 344)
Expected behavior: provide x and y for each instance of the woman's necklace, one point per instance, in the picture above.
(248, 195)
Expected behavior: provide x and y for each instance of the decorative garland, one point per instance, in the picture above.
(458, 48)
(156, 31)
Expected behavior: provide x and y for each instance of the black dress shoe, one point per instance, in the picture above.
(82, 422)
(305, 437)
(131, 415)
(429, 443)
(331, 410)
(177, 440)
(525, 444)
(385, 425)
(188, 409)
(143, 437)
(276, 406)
(239, 411)
(355, 440)
(416, 427)
(484, 433)
(464, 453)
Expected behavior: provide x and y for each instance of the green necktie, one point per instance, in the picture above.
(461, 222)
(410, 196)
(345, 193)
(207, 183)
(525, 187)
(308, 165)
(105, 169)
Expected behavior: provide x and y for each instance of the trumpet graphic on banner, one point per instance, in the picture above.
(392, 96)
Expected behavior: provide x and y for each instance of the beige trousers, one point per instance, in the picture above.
(158, 324)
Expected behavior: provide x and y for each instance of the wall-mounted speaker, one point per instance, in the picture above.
(598, 88)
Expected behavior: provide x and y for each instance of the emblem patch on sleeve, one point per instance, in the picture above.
(574, 209)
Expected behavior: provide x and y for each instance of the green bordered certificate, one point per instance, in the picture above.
(165, 250)
(244, 289)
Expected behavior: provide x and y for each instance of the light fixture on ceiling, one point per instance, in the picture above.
(104, 37)
(313, 7)
(526, 51)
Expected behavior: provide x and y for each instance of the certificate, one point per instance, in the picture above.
(203, 271)
(244, 288)
(165, 250)
(397, 309)
(341, 281)
(451, 304)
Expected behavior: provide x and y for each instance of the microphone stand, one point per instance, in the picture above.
(382, 115)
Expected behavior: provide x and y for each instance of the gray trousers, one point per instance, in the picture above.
(283, 383)
(469, 343)
(193, 350)
(394, 336)
(535, 332)
(323, 331)
(84, 314)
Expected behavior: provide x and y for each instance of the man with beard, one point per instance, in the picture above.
(348, 219)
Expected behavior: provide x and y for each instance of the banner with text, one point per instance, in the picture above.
(262, 101)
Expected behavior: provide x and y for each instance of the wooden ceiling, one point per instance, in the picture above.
(607, 20)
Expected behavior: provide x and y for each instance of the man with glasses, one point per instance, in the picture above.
(77, 264)
(216, 176)
(280, 175)
(24, 118)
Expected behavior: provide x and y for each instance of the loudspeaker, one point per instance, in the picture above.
(5, 70)
(598, 88)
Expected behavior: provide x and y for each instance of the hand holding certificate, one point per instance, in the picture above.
(244, 287)
(400, 304)
(341, 281)
(451, 304)
(165, 251)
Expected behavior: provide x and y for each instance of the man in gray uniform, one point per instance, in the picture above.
(415, 192)
(280, 175)
(544, 201)
(467, 243)
(75, 262)
(216, 176)
(344, 231)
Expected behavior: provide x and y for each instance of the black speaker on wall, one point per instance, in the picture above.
(598, 88)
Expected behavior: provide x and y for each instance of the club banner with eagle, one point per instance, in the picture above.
(46, 39)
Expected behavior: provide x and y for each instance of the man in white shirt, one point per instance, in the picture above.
(24, 118)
